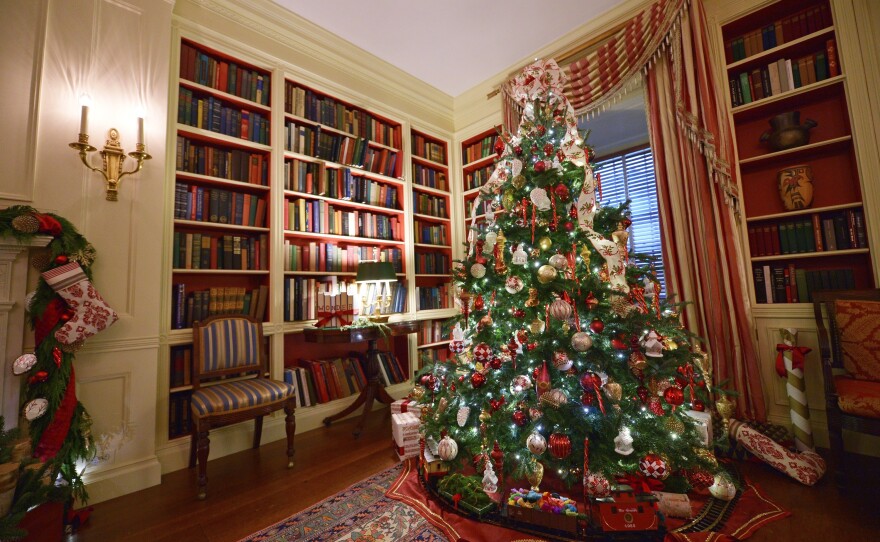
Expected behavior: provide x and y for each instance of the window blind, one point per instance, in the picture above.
(631, 177)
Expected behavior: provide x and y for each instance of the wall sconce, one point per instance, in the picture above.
(112, 156)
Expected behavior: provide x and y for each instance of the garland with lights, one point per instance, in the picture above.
(64, 310)
(566, 358)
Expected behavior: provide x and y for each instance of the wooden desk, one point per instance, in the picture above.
(374, 388)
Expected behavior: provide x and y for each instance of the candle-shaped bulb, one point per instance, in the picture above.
(140, 137)
(84, 114)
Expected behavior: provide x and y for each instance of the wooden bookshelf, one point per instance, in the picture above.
(823, 245)
(478, 162)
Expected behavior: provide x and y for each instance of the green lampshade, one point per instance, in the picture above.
(375, 272)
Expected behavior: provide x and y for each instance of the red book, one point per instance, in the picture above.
(787, 281)
(246, 211)
(774, 239)
(213, 249)
(817, 233)
(831, 55)
(245, 124)
(791, 284)
(261, 213)
(222, 75)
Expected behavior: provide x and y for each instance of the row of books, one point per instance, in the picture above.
(815, 233)
(426, 204)
(194, 202)
(788, 284)
(430, 177)
(230, 164)
(316, 256)
(214, 115)
(430, 150)
(340, 183)
(180, 373)
(430, 233)
(304, 103)
(432, 263)
(780, 31)
(195, 306)
(179, 416)
(342, 149)
(305, 298)
(433, 297)
(478, 177)
(205, 251)
(430, 356)
(431, 331)
(479, 149)
(784, 75)
(322, 380)
(319, 216)
(219, 74)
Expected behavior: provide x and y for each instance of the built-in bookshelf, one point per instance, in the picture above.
(783, 64)
(432, 221)
(433, 342)
(478, 157)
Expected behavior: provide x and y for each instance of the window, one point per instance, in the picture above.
(630, 176)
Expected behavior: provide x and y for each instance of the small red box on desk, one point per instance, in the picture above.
(625, 511)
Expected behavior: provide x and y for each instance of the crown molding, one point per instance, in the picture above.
(304, 46)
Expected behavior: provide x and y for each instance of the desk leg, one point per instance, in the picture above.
(374, 390)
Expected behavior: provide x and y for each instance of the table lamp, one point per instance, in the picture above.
(380, 274)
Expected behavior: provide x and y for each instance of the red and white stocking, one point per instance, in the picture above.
(91, 312)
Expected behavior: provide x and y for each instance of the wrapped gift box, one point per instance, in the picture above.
(410, 449)
(674, 505)
(406, 405)
(405, 429)
(703, 426)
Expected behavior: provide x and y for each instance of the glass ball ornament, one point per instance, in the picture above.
(447, 449)
(561, 360)
(546, 273)
(545, 243)
(477, 380)
(722, 488)
(539, 166)
(478, 270)
(655, 466)
(596, 485)
(520, 384)
(560, 310)
(536, 443)
(519, 181)
(519, 418)
(559, 261)
(559, 445)
(597, 326)
(581, 341)
(535, 413)
(674, 396)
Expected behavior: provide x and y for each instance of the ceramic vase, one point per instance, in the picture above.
(787, 131)
(795, 187)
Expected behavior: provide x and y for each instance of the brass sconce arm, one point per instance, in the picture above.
(113, 160)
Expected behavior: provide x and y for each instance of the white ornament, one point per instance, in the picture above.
(540, 199)
(723, 488)
(478, 270)
(23, 364)
(516, 166)
(462, 415)
(623, 442)
(490, 480)
(652, 345)
(489, 245)
(35, 408)
(536, 443)
(28, 299)
(519, 256)
(457, 333)
(559, 261)
(447, 449)
(513, 284)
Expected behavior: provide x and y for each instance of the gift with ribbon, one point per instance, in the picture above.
(790, 364)
(334, 318)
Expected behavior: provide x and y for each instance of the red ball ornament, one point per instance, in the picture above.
(586, 381)
(531, 346)
(477, 380)
(518, 150)
(562, 192)
(479, 303)
(643, 393)
(568, 225)
(539, 166)
(541, 129)
(654, 466)
(618, 344)
(452, 388)
(699, 405)
(495, 362)
(522, 336)
(534, 149)
(461, 379)
(456, 347)
(674, 396)
(597, 326)
(482, 352)
(520, 418)
(559, 445)
(499, 146)
(519, 313)
(39, 376)
(548, 148)
(587, 398)
(61, 259)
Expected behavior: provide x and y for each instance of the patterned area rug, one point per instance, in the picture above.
(392, 507)
(360, 513)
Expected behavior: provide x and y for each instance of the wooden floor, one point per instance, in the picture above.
(253, 489)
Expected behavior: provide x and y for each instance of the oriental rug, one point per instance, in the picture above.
(392, 506)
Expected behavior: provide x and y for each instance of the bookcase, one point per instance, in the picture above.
(280, 187)
(433, 342)
(784, 59)
(432, 221)
(778, 58)
(478, 162)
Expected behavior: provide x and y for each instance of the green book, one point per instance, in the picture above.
(821, 66)
(796, 75)
(196, 256)
(811, 236)
(785, 238)
(800, 279)
(744, 85)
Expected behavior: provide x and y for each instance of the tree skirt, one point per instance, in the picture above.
(393, 507)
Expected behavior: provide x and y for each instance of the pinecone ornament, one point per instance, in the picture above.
(26, 223)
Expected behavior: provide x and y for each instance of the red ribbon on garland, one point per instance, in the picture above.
(640, 482)
(797, 357)
(47, 321)
(53, 436)
(325, 318)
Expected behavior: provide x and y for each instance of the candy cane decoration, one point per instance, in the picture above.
(792, 367)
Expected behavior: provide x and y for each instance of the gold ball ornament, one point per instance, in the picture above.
(546, 274)
(486, 321)
(518, 182)
(614, 391)
(545, 243)
(673, 425)
(417, 393)
(554, 398)
(670, 344)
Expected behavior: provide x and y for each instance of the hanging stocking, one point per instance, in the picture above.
(56, 432)
(91, 312)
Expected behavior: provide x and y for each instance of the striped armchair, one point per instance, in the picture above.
(230, 385)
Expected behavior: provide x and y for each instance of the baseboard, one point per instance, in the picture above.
(116, 481)
(235, 438)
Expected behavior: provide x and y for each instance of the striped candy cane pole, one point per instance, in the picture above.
(790, 364)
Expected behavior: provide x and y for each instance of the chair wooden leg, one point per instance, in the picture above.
(192, 446)
(204, 446)
(290, 427)
(258, 431)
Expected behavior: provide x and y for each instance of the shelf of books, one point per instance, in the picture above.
(805, 219)
(433, 342)
(478, 162)
(221, 237)
(432, 231)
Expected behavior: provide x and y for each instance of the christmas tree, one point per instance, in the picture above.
(566, 358)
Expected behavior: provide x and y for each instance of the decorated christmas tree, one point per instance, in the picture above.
(567, 358)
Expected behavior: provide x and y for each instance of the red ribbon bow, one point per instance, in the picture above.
(640, 483)
(325, 318)
(797, 357)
